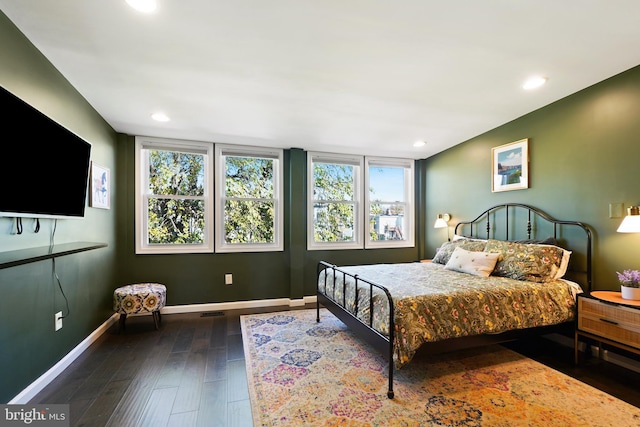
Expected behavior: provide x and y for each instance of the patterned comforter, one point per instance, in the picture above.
(432, 304)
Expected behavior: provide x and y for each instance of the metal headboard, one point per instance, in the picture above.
(487, 220)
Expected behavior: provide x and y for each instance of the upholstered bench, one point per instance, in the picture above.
(140, 298)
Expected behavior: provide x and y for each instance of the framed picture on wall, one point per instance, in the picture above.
(510, 166)
(100, 195)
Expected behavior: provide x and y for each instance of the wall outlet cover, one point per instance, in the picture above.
(58, 320)
(615, 210)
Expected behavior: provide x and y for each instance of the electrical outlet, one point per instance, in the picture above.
(58, 319)
(228, 279)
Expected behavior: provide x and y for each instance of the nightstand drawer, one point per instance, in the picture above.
(614, 322)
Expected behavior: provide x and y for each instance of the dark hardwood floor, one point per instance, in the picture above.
(191, 372)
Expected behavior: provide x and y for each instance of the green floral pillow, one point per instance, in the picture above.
(444, 253)
(535, 263)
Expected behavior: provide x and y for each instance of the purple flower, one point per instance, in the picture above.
(629, 278)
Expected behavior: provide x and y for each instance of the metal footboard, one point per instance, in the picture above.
(379, 341)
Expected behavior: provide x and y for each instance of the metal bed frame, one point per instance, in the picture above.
(384, 344)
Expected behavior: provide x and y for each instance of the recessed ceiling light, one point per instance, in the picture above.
(160, 117)
(145, 6)
(534, 82)
(419, 144)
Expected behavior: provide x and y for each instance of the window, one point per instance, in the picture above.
(173, 196)
(338, 216)
(249, 194)
(334, 201)
(389, 202)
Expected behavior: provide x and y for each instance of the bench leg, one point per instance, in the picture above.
(156, 318)
(123, 317)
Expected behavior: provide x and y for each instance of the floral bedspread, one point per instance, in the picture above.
(432, 304)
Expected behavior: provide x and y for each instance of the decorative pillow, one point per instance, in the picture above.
(520, 261)
(562, 270)
(447, 248)
(472, 262)
(564, 264)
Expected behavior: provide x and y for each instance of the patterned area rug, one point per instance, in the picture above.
(301, 372)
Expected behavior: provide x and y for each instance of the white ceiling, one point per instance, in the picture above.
(348, 76)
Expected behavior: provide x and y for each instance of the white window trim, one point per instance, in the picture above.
(141, 164)
(358, 226)
(362, 202)
(409, 197)
(249, 151)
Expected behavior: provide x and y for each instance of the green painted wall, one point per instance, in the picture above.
(29, 346)
(584, 152)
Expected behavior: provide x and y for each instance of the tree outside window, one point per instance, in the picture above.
(250, 199)
(334, 203)
(173, 196)
(249, 202)
(176, 198)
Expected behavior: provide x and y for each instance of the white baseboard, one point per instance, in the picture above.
(35, 387)
(39, 384)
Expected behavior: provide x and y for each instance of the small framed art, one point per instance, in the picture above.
(100, 195)
(510, 166)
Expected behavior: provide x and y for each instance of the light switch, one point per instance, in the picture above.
(615, 210)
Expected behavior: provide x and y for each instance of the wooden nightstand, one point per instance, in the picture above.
(605, 317)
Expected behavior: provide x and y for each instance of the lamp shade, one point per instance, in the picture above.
(441, 222)
(631, 222)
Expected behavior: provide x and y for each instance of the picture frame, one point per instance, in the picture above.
(100, 194)
(510, 166)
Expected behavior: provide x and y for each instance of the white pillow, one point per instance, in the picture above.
(476, 263)
(565, 263)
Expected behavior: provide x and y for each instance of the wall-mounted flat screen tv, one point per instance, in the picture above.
(45, 167)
